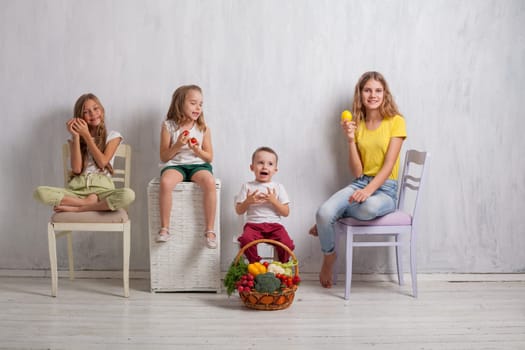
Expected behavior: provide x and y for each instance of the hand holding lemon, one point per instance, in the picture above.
(346, 116)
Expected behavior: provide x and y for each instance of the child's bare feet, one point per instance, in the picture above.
(68, 203)
(325, 276)
(313, 231)
(90, 203)
(62, 208)
(91, 199)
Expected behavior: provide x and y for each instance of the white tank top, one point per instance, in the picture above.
(92, 167)
(185, 156)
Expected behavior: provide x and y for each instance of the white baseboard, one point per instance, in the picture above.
(78, 274)
(451, 277)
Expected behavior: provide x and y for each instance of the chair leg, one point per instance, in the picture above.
(70, 259)
(399, 263)
(126, 253)
(338, 232)
(413, 269)
(348, 262)
(51, 239)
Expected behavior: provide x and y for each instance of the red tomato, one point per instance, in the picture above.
(193, 140)
(185, 133)
(266, 264)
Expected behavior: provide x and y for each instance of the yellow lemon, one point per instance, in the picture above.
(346, 116)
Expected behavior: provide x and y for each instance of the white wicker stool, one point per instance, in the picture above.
(184, 263)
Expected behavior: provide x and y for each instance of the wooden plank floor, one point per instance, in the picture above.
(91, 314)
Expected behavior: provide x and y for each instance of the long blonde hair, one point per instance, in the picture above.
(175, 112)
(100, 131)
(388, 107)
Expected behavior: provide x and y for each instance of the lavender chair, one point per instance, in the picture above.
(401, 222)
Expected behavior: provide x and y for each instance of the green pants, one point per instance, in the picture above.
(83, 185)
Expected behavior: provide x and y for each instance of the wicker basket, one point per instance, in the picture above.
(268, 301)
(183, 264)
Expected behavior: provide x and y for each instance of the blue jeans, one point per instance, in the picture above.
(381, 202)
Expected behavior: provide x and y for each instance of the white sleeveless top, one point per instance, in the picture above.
(91, 166)
(185, 156)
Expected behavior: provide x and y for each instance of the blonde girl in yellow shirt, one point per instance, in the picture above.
(374, 139)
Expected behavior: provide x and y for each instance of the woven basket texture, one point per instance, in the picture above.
(184, 263)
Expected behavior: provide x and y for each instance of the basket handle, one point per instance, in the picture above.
(269, 241)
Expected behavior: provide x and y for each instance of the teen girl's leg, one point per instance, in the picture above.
(168, 180)
(206, 181)
(381, 202)
(329, 212)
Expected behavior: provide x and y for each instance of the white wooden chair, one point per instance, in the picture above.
(64, 223)
(401, 222)
(266, 251)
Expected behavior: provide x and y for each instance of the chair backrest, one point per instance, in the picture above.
(412, 179)
(121, 165)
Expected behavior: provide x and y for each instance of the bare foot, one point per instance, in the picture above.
(91, 199)
(325, 276)
(68, 201)
(62, 208)
(96, 206)
(313, 231)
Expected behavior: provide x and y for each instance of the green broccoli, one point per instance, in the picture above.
(267, 282)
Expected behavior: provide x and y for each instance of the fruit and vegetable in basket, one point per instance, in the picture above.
(244, 277)
(234, 274)
(267, 283)
(256, 268)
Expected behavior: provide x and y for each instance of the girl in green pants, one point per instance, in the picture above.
(92, 153)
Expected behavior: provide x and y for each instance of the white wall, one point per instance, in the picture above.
(274, 73)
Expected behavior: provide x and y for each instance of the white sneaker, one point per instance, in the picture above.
(211, 242)
(163, 235)
(163, 238)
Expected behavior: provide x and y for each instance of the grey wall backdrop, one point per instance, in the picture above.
(274, 73)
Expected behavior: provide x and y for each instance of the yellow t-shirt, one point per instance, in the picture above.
(373, 144)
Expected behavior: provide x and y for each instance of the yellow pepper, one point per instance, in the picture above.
(256, 268)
